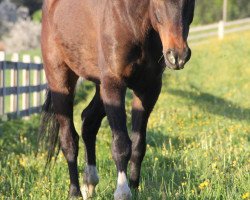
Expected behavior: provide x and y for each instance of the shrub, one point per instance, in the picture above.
(24, 35)
(37, 16)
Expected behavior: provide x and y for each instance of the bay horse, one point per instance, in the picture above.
(117, 44)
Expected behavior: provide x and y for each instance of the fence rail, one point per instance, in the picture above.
(22, 86)
(218, 29)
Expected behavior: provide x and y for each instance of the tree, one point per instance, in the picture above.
(211, 11)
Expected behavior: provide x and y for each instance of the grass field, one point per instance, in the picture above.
(198, 141)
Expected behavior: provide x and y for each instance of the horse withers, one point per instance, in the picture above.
(117, 44)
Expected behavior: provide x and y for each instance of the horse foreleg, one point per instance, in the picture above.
(143, 104)
(92, 117)
(113, 95)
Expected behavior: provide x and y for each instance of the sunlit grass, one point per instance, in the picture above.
(198, 141)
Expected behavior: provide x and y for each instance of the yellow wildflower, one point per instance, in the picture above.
(139, 188)
(246, 195)
(184, 183)
(22, 162)
(204, 184)
(214, 166)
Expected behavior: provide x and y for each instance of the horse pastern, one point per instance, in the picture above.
(74, 193)
(123, 193)
(87, 191)
(133, 184)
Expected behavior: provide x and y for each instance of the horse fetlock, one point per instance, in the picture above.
(91, 175)
(122, 191)
(91, 179)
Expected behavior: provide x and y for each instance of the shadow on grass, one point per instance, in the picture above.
(214, 104)
(165, 174)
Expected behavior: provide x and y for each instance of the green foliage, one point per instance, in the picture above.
(84, 89)
(211, 11)
(37, 16)
(198, 137)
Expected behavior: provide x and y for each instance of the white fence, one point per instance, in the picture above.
(22, 86)
(218, 29)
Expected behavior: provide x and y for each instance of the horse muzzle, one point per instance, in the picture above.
(175, 60)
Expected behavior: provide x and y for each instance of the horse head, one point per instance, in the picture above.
(171, 19)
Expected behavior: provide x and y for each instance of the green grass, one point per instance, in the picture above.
(198, 136)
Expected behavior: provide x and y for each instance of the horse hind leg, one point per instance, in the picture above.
(92, 117)
(62, 84)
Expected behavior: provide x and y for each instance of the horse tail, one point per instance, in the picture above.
(49, 129)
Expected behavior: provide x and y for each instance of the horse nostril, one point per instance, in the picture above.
(181, 63)
(171, 56)
(184, 58)
(187, 54)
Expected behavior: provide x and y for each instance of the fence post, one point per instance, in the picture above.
(44, 80)
(26, 82)
(37, 82)
(221, 30)
(2, 59)
(13, 83)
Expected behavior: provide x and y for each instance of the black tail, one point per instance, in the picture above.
(49, 129)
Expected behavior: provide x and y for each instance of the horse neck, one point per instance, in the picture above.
(136, 13)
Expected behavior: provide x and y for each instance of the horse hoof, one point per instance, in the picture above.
(123, 193)
(87, 191)
(74, 193)
(90, 180)
(75, 198)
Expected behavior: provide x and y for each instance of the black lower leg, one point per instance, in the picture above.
(113, 94)
(92, 117)
(143, 104)
(138, 146)
(63, 105)
(69, 144)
